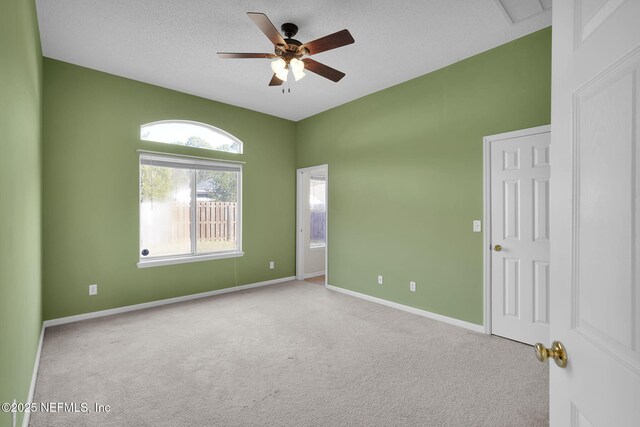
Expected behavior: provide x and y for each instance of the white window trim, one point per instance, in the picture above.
(193, 159)
(157, 262)
(188, 258)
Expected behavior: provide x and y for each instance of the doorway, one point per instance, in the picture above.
(312, 224)
(517, 172)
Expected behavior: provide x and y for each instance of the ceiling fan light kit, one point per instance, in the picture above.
(290, 54)
(297, 68)
(282, 75)
(278, 65)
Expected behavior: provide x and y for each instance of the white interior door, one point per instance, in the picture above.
(520, 234)
(595, 293)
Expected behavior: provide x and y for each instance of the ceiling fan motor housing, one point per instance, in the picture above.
(292, 50)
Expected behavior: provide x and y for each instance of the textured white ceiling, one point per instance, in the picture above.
(173, 44)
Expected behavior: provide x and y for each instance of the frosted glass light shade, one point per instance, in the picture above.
(278, 65)
(297, 68)
(296, 65)
(298, 74)
(282, 74)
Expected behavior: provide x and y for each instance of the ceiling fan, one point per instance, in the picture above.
(290, 54)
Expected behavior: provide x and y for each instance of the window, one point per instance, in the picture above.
(190, 209)
(190, 134)
(318, 210)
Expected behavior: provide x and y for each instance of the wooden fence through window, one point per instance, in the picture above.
(215, 221)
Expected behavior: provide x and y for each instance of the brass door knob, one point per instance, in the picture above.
(497, 248)
(557, 352)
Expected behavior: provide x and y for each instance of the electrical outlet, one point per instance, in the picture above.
(272, 265)
(412, 286)
(380, 280)
(93, 289)
(477, 226)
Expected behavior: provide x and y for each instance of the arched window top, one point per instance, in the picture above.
(190, 134)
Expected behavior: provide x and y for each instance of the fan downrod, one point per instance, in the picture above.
(289, 30)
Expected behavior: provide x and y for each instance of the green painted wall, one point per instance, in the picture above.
(92, 126)
(405, 174)
(405, 182)
(20, 199)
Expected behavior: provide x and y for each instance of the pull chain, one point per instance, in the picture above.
(288, 87)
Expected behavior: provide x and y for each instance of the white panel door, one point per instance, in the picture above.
(520, 234)
(595, 208)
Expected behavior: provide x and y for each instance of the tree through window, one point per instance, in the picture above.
(190, 134)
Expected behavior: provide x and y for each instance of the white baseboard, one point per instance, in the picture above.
(413, 310)
(34, 376)
(316, 274)
(125, 309)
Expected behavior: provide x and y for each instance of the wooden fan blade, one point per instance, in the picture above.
(322, 70)
(245, 55)
(265, 25)
(275, 81)
(332, 41)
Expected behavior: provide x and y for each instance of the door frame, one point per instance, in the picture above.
(486, 201)
(299, 230)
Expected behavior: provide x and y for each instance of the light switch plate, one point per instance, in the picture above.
(477, 226)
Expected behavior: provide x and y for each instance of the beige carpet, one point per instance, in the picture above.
(293, 354)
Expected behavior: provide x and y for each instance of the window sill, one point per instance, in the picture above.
(320, 246)
(187, 259)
